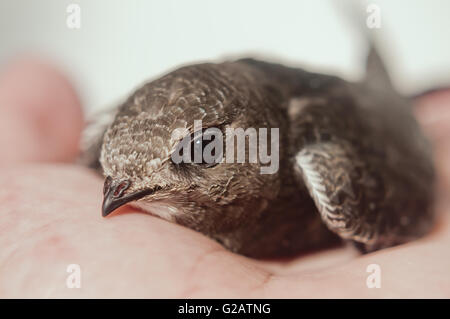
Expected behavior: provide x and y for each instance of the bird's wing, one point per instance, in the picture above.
(334, 178)
(92, 138)
(362, 191)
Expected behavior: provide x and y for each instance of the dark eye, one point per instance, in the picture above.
(203, 148)
(207, 149)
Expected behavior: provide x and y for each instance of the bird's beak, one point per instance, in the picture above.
(114, 195)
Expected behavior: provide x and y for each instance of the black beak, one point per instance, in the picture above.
(114, 195)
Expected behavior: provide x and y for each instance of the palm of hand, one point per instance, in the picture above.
(50, 218)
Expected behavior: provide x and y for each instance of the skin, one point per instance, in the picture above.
(50, 218)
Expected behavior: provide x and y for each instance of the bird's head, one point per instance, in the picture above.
(155, 123)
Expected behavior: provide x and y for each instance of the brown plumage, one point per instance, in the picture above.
(352, 159)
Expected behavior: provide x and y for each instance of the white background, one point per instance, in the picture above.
(122, 43)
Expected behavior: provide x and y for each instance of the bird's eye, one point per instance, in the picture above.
(203, 148)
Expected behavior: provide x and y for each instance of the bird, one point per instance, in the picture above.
(354, 165)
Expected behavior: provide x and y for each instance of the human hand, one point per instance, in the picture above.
(50, 218)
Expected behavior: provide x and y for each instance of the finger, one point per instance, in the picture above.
(40, 114)
(433, 112)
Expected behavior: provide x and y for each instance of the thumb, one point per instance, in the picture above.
(40, 114)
